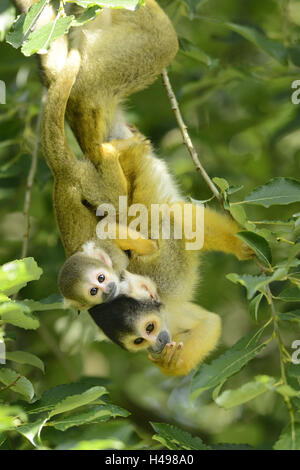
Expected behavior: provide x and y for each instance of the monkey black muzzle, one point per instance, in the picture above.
(162, 339)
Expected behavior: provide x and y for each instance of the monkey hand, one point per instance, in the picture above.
(170, 360)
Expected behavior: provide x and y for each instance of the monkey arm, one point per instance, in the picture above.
(196, 334)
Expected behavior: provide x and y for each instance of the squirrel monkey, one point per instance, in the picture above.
(96, 269)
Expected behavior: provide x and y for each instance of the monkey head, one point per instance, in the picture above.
(133, 324)
(85, 281)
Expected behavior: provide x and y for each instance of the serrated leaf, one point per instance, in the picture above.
(22, 386)
(41, 39)
(75, 401)
(258, 244)
(16, 274)
(24, 24)
(50, 303)
(96, 414)
(210, 375)
(257, 283)
(249, 391)
(22, 357)
(54, 395)
(273, 48)
(254, 307)
(176, 439)
(18, 315)
(285, 441)
(279, 191)
(250, 282)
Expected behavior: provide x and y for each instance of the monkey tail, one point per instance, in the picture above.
(55, 147)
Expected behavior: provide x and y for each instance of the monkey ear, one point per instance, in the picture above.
(104, 257)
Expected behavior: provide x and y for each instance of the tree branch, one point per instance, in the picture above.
(186, 138)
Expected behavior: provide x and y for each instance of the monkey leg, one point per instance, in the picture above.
(220, 235)
(197, 334)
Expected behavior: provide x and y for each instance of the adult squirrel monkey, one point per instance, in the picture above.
(96, 269)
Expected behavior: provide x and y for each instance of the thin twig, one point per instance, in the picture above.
(186, 138)
(282, 365)
(30, 180)
(11, 385)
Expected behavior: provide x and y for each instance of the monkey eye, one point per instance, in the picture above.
(150, 328)
(138, 340)
(101, 278)
(94, 291)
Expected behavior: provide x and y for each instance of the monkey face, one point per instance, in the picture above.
(85, 281)
(134, 325)
(99, 285)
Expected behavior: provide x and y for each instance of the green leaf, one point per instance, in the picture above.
(31, 431)
(100, 444)
(210, 375)
(293, 316)
(127, 4)
(279, 191)
(254, 307)
(249, 391)
(16, 274)
(50, 303)
(250, 282)
(257, 283)
(273, 48)
(96, 414)
(287, 391)
(8, 415)
(176, 439)
(41, 39)
(291, 294)
(24, 24)
(22, 385)
(221, 183)
(57, 394)
(19, 315)
(258, 244)
(22, 357)
(75, 401)
(285, 441)
(88, 15)
(7, 17)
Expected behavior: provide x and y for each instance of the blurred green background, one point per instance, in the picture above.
(236, 101)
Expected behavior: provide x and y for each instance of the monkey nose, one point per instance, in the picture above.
(162, 339)
(111, 291)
